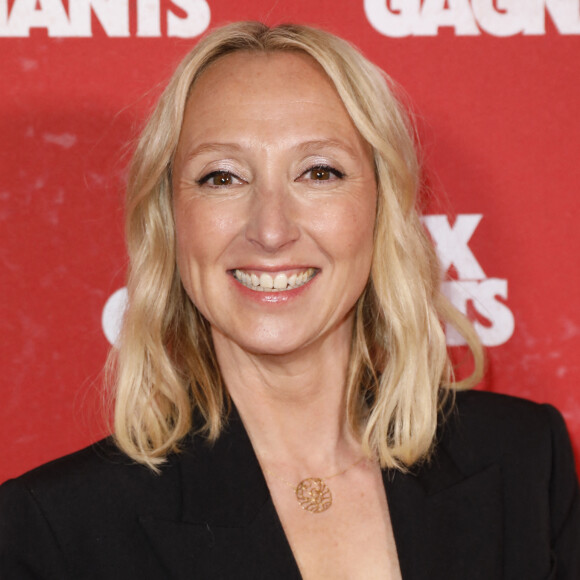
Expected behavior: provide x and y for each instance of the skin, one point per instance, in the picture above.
(266, 134)
(272, 176)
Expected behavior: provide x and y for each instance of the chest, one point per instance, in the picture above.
(352, 539)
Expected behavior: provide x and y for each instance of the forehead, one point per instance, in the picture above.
(276, 99)
(255, 78)
(265, 67)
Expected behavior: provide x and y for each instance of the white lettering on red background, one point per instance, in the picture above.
(113, 15)
(472, 285)
(400, 18)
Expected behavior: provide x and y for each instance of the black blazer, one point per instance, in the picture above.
(499, 500)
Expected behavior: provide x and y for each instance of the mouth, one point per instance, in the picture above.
(274, 281)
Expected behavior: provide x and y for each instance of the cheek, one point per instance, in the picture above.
(202, 232)
(202, 235)
(347, 229)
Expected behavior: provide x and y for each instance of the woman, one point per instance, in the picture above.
(283, 404)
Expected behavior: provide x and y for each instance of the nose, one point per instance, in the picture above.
(272, 221)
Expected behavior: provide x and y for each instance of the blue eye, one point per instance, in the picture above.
(219, 179)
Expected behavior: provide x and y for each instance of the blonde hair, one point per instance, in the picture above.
(165, 369)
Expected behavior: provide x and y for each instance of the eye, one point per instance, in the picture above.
(219, 179)
(322, 173)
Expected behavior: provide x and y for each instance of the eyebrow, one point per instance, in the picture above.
(306, 146)
(211, 147)
(327, 144)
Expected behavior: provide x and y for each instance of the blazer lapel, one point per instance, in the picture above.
(229, 527)
(446, 525)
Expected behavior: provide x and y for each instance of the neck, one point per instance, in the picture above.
(293, 406)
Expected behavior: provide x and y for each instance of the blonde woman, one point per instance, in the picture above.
(284, 401)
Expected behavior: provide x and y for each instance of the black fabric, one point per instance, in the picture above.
(498, 500)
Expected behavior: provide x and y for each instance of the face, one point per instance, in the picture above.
(274, 200)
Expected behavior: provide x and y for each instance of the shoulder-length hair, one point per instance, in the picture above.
(165, 369)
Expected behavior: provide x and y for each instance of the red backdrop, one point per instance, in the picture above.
(495, 86)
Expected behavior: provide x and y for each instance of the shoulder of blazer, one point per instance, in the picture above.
(96, 475)
(498, 498)
(540, 497)
(485, 428)
(56, 519)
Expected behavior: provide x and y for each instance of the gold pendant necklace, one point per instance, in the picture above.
(312, 493)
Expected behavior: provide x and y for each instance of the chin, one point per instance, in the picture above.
(273, 347)
(271, 342)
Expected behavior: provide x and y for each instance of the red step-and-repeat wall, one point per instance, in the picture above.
(495, 85)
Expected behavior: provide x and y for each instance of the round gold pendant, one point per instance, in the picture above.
(313, 495)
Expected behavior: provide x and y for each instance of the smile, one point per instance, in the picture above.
(272, 282)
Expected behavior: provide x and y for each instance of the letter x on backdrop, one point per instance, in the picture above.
(495, 91)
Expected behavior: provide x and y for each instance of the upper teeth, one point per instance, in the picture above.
(273, 282)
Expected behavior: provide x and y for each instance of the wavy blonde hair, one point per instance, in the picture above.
(165, 369)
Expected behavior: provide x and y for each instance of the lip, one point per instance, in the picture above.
(277, 297)
(282, 268)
